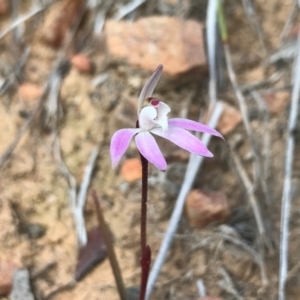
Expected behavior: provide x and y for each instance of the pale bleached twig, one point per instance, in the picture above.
(128, 8)
(201, 288)
(192, 169)
(66, 172)
(289, 159)
(211, 36)
(20, 20)
(289, 23)
(81, 198)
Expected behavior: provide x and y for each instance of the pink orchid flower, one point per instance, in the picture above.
(152, 119)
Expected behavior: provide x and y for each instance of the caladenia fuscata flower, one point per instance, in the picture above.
(153, 120)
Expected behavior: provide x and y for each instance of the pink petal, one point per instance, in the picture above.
(119, 143)
(192, 125)
(183, 139)
(149, 149)
(149, 87)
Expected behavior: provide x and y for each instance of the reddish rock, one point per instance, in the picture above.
(62, 16)
(131, 170)
(3, 7)
(206, 207)
(230, 118)
(30, 92)
(276, 102)
(177, 44)
(7, 269)
(82, 63)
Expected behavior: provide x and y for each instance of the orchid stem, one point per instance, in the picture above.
(145, 249)
(144, 203)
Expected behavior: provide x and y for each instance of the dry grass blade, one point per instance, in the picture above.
(211, 36)
(251, 15)
(15, 72)
(227, 285)
(243, 108)
(191, 172)
(289, 160)
(21, 132)
(266, 136)
(256, 256)
(251, 196)
(19, 30)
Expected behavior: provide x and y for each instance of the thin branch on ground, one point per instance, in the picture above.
(191, 172)
(15, 72)
(244, 111)
(256, 256)
(251, 196)
(227, 285)
(289, 23)
(287, 184)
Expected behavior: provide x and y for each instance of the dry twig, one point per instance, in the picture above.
(211, 36)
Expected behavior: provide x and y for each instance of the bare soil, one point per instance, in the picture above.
(34, 191)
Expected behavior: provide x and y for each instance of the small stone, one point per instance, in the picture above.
(7, 269)
(230, 118)
(276, 102)
(21, 286)
(131, 170)
(59, 20)
(82, 63)
(175, 43)
(206, 207)
(30, 92)
(35, 230)
(3, 7)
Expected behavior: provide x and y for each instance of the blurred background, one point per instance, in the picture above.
(70, 75)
